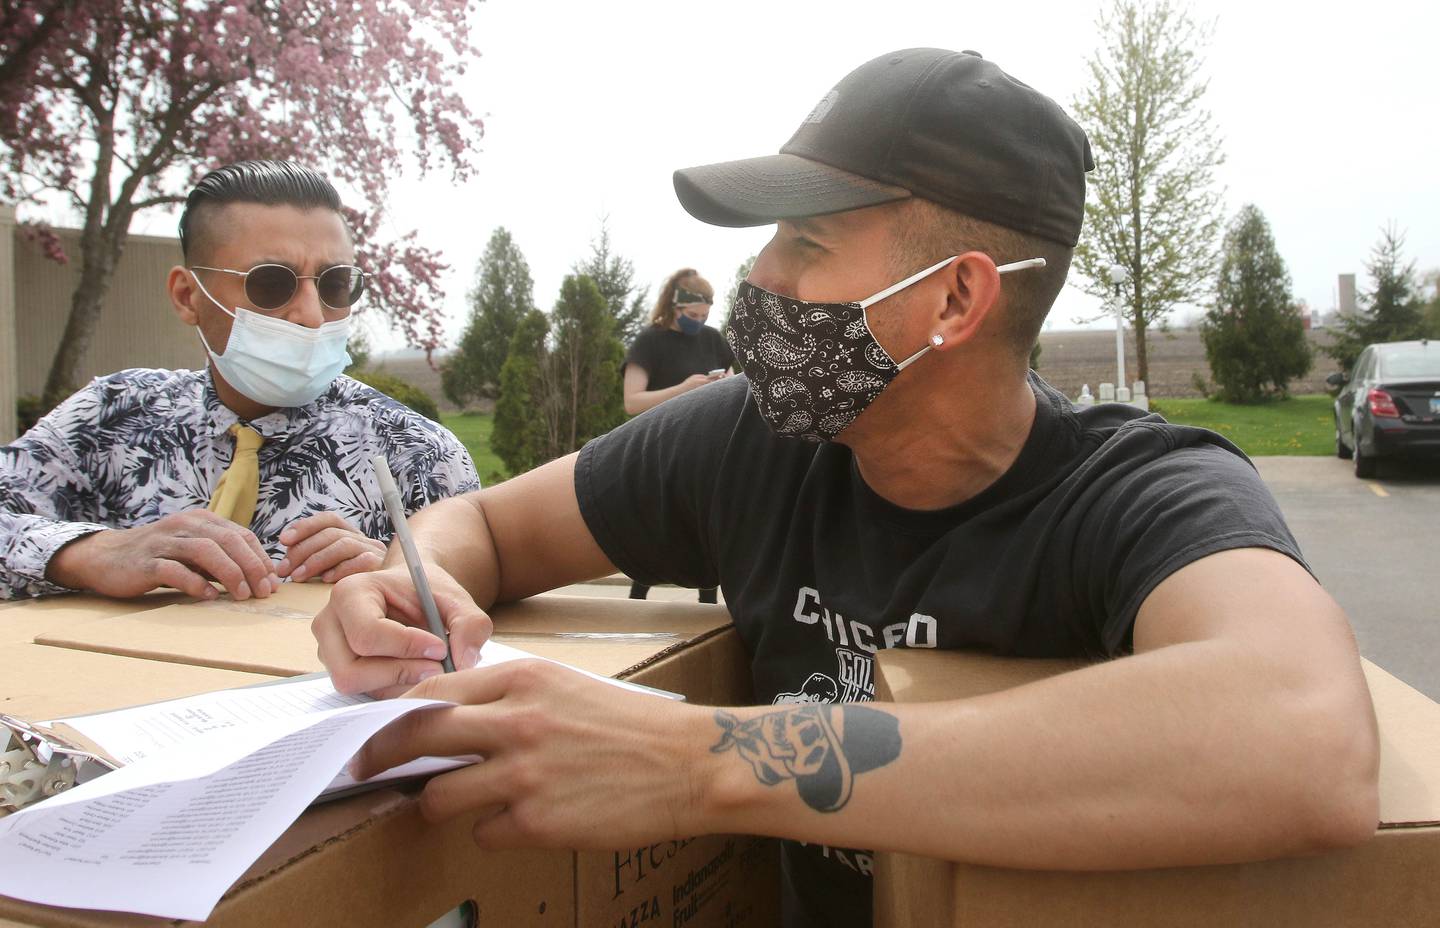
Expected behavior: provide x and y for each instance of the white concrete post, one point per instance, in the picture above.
(8, 375)
(1118, 274)
(1119, 344)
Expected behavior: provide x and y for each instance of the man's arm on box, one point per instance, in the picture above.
(1240, 729)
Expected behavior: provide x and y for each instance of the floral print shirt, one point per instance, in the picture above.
(137, 445)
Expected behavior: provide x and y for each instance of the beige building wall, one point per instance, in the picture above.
(137, 327)
(8, 392)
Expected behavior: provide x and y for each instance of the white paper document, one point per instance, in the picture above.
(207, 783)
(168, 834)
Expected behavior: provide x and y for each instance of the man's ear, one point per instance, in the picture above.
(972, 292)
(182, 290)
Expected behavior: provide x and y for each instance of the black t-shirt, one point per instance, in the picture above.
(819, 572)
(669, 356)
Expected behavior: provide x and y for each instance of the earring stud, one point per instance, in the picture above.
(937, 339)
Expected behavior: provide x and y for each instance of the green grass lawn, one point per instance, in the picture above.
(1298, 425)
(473, 430)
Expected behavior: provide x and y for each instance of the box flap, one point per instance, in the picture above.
(272, 635)
(1409, 751)
(263, 637)
(39, 683)
(1409, 721)
(928, 676)
(21, 620)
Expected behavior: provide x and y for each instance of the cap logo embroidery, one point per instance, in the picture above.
(822, 109)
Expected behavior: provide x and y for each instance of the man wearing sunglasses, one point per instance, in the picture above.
(889, 473)
(254, 469)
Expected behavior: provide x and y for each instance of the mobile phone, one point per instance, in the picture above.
(718, 370)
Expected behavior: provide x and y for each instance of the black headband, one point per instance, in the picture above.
(685, 297)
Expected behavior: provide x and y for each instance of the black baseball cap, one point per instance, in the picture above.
(949, 127)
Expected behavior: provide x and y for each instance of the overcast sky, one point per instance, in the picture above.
(1327, 113)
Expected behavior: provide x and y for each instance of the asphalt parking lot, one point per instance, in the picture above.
(1375, 545)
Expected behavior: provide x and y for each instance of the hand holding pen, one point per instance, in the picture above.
(390, 493)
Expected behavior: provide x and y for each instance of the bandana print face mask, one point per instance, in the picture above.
(814, 367)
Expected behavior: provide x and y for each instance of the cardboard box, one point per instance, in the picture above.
(272, 635)
(370, 860)
(1390, 881)
(38, 682)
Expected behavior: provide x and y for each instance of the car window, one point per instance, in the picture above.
(1362, 366)
(1412, 361)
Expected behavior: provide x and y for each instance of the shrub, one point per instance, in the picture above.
(1254, 338)
(28, 411)
(400, 391)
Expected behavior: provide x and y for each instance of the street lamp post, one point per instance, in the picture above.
(1118, 275)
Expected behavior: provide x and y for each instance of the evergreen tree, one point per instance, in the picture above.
(1152, 206)
(1431, 281)
(1390, 311)
(560, 384)
(503, 294)
(741, 273)
(1254, 337)
(523, 436)
(614, 277)
(586, 358)
(358, 347)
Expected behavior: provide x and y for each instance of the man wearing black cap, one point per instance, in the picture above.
(890, 474)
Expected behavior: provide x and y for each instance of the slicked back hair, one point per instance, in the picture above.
(270, 183)
(925, 232)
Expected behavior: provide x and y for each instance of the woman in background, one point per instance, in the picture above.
(675, 354)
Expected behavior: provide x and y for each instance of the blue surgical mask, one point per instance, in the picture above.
(689, 325)
(279, 363)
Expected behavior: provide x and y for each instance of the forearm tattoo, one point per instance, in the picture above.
(821, 747)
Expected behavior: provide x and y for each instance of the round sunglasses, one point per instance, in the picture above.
(271, 286)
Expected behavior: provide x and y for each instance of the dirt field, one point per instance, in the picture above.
(410, 366)
(1067, 360)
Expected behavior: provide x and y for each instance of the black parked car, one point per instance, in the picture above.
(1391, 404)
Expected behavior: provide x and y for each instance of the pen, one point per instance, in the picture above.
(391, 494)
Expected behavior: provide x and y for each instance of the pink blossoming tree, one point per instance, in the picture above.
(117, 106)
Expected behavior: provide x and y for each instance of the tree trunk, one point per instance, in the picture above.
(97, 268)
(107, 221)
(574, 393)
(1142, 361)
(551, 404)
(99, 250)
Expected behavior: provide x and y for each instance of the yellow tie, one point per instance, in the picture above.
(235, 494)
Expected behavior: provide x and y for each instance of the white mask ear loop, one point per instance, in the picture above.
(198, 331)
(896, 288)
(206, 291)
(1002, 269)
